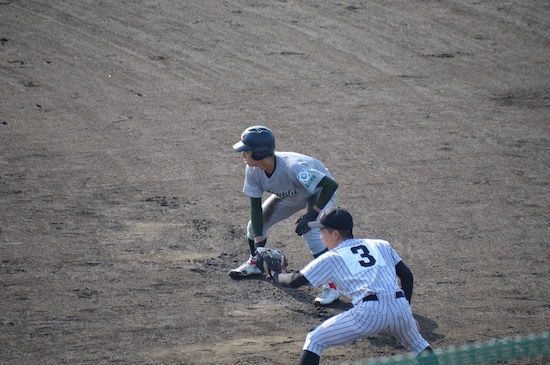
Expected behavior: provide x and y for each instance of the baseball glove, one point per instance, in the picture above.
(274, 259)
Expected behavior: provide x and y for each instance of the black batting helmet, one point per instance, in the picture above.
(259, 139)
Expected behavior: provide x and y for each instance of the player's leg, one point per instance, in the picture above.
(403, 326)
(274, 210)
(312, 238)
(329, 293)
(309, 358)
(427, 357)
(360, 321)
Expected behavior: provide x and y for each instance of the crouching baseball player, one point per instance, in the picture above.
(295, 182)
(366, 271)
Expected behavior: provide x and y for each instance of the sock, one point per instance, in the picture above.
(427, 357)
(252, 246)
(309, 358)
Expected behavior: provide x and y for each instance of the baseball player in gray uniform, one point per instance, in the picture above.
(295, 182)
(366, 271)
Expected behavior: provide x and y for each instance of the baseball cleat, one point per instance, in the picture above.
(327, 296)
(249, 268)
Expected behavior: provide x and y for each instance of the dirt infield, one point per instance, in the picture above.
(121, 209)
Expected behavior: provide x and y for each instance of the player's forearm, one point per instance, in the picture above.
(256, 216)
(293, 280)
(407, 280)
(329, 186)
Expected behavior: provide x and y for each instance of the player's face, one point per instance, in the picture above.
(247, 157)
(330, 237)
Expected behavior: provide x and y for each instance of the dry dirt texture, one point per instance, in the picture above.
(121, 209)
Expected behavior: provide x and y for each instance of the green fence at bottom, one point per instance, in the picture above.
(526, 350)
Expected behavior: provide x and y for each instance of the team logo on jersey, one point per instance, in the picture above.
(284, 194)
(306, 178)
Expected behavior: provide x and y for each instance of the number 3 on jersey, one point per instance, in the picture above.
(367, 259)
(362, 256)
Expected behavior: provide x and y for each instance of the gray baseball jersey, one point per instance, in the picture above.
(295, 178)
(361, 267)
(293, 186)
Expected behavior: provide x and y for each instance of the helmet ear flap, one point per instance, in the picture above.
(259, 154)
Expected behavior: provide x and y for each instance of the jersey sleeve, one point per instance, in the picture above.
(252, 186)
(309, 178)
(393, 254)
(319, 271)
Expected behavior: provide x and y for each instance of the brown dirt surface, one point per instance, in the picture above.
(121, 209)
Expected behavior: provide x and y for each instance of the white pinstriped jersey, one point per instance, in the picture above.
(295, 178)
(361, 267)
(358, 267)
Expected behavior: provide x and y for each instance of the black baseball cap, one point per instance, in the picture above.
(335, 218)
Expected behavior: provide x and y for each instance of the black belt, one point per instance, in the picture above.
(371, 297)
